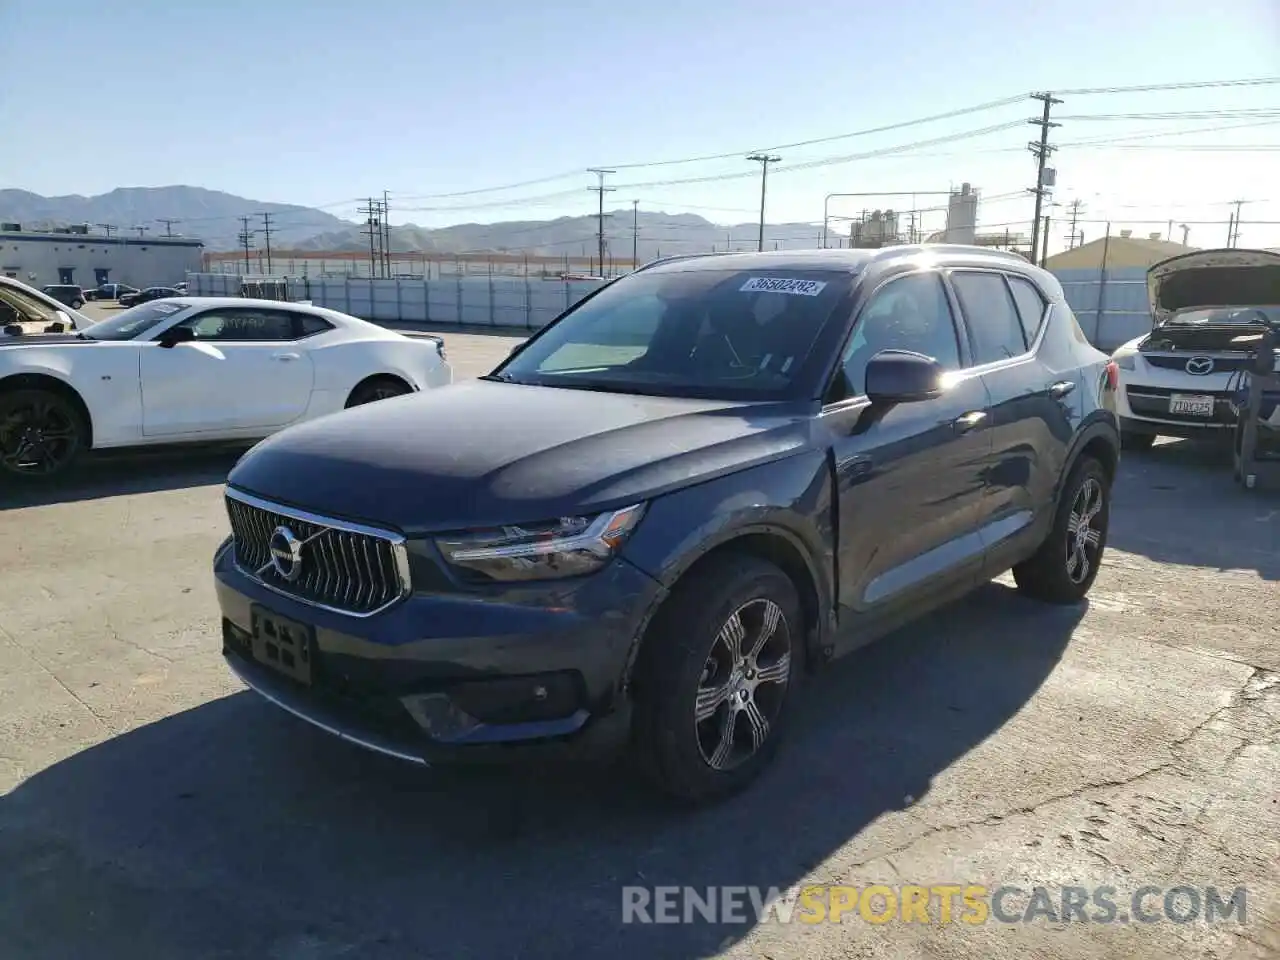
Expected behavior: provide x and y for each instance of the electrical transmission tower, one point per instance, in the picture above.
(601, 190)
(168, 225)
(373, 213)
(107, 228)
(246, 240)
(1041, 149)
(266, 238)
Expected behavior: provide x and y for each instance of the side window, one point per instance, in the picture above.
(1031, 306)
(989, 313)
(911, 313)
(241, 325)
(309, 324)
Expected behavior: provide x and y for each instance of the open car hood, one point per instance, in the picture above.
(1206, 279)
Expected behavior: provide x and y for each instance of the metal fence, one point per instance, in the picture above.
(1111, 306)
(525, 303)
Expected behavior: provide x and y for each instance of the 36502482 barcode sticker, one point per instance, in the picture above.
(799, 288)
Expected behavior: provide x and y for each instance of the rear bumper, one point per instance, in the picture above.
(538, 673)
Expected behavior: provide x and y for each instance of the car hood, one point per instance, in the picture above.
(1213, 278)
(484, 453)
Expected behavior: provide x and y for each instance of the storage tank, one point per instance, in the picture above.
(962, 215)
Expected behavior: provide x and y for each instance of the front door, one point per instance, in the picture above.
(909, 476)
(65, 275)
(244, 373)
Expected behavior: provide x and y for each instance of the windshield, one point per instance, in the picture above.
(134, 321)
(713, 334)
(1228, 315)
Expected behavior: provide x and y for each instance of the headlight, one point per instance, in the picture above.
(1126, 361)
(568, 547)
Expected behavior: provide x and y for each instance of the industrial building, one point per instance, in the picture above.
(74, 255)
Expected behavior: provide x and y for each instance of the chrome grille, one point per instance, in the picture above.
(344, 567)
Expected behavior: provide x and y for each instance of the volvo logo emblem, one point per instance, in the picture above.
(286, 553)
(1200, 366)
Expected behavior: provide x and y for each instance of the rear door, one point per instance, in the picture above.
(909, 476)
(245, 371)
(1031, 405)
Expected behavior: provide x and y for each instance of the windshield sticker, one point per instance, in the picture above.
(799, 288)
(167, 308)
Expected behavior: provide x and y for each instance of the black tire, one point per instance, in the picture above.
(685, 649)
(42, 434)
(77, 304)
(1051, 574)
(377, 388)
(1137, 441)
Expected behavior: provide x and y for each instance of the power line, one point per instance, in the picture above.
(1159, 87)
(600, 190)
(386, 234)
(246, 240)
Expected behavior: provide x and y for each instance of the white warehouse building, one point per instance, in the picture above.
(73, 255)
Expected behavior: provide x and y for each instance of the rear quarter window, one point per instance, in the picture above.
(1031, 306)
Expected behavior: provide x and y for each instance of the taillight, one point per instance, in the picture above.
(1113, 375)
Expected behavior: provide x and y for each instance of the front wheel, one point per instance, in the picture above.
(77, 304)
(716, 678)
(1067, 563)
(41, 434)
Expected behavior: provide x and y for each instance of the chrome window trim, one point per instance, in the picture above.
(399, 552)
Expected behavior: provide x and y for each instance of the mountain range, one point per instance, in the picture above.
(213, 217)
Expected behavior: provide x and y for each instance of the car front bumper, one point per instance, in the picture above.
(538, 671)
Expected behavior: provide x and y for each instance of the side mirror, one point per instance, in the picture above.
(176, 335)
(899, 376)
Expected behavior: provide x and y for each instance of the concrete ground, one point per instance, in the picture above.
(151, 807)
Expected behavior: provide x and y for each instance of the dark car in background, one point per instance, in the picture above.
(66, 293)
(698, 485)
(147, 295)
(109, 291)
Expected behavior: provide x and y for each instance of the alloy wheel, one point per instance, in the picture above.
(743, 684)
(1084, 531)
(37, 437)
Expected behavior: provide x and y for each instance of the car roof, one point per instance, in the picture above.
(841, 261)
(205, 302)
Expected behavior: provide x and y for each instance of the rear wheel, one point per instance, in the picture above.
(42, 433)
(377, 388)
(1067, 563)
(716, 678)
(77, 304)
(1137, 441)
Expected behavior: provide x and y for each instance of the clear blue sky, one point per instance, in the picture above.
(320, 101)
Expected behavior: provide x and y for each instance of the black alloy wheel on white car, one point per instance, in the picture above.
(41, 434)
(377, 388)
(716, 678)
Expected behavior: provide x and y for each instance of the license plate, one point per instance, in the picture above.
(282, 644)
(1191, 405)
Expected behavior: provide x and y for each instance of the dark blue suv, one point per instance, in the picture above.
(645, 527)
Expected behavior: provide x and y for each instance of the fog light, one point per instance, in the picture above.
(436, 714)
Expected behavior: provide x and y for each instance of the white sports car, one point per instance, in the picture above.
(196, 369)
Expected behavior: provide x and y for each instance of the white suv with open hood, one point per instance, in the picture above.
(1210, 309)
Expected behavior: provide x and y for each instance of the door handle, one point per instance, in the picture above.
(1062, 388)
(968, 421)
(286, 357)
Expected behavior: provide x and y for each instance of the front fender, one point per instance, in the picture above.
(790, 499)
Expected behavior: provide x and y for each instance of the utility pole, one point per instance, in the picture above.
(1234, 231)
(386, 233)
(1075, 208)
(764, 159)
(635, 234)
(601, 190)
(1040, 150)
(266, 237)
(141, 231)
(168, 225)
(107, 228)
(246, 240)
(373, 229)
(1186, 231)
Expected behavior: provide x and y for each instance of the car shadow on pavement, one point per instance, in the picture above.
(120, 474)
(233, 829)
(1177, 503)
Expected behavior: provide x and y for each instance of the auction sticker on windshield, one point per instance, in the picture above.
(799, 288)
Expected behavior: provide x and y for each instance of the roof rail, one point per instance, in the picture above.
(677, 257)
